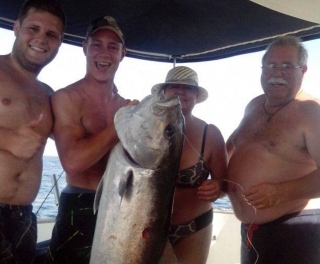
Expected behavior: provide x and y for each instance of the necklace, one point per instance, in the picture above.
(270, 116)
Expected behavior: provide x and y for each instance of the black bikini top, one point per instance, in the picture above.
(196, 174)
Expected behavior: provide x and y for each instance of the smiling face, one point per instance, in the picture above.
(38, 39)
(104, 51)
(282, 84)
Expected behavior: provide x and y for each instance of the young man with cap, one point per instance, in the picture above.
(203, 153)
(25, 124)
(84, 133)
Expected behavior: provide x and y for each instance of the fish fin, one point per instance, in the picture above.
(125, 184)
(98, 196)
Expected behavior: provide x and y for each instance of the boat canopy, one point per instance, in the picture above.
(188, 30)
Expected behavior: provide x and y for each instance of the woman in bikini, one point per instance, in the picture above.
(203, 154)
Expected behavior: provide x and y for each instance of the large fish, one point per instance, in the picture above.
(135, 194)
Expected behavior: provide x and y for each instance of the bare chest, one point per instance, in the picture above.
(283, 136)
(21, 103)
(97, 116)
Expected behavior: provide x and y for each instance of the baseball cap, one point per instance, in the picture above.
(107, 22)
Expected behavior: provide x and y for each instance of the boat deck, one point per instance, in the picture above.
(225, 246)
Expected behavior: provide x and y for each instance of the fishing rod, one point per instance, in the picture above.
(53, 186)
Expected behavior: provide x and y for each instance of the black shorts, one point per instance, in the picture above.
(72, 235)
(18, 234)
(291, 239)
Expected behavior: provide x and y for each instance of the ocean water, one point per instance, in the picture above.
(45, 204)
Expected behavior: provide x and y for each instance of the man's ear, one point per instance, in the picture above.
(304, 69)
(16, 27)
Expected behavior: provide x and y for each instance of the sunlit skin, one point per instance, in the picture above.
(276, 162)
(84, 111)
(26, 119)
(189, 203)
(277, 94)
(104, 51)
(84, 134)
(38, 39)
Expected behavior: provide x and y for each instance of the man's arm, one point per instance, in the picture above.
(230, 145)
(76, 151)
(23, 142)
(308, 187)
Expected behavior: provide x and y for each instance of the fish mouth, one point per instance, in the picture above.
(163, 105)
(153, 154)
(127, 155)
(173, 100)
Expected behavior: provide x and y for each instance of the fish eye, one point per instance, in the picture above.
(169, 130)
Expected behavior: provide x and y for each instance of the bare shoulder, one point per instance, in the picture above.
(214, 136)
(47, 88)
(119, 99)
(309, 102)
(70, 93)
(254, 104)
(309, 109)
(213, 130)
(4, 62)
(7, 72)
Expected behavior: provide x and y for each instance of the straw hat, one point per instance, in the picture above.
(183, 75)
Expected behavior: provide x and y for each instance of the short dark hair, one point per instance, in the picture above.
(50, 6)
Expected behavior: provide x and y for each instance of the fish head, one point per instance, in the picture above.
(151, 129)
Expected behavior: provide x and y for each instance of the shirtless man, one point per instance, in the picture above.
(84, 133)
(274, 163)
(25, 124)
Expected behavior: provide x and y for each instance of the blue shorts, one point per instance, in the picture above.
(291, 239)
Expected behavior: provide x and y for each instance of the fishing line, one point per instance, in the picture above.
(255, 215)
(44, 200)
(255, 210)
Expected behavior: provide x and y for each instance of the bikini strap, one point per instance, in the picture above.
(204, 139)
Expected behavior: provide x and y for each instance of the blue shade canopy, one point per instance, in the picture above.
(180, 30)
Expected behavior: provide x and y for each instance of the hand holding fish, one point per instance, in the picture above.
(128, 102)
(264, 195)
(209, 190)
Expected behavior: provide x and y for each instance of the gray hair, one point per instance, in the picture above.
(289, 41)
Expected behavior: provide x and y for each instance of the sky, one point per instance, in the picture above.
(231, 83)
